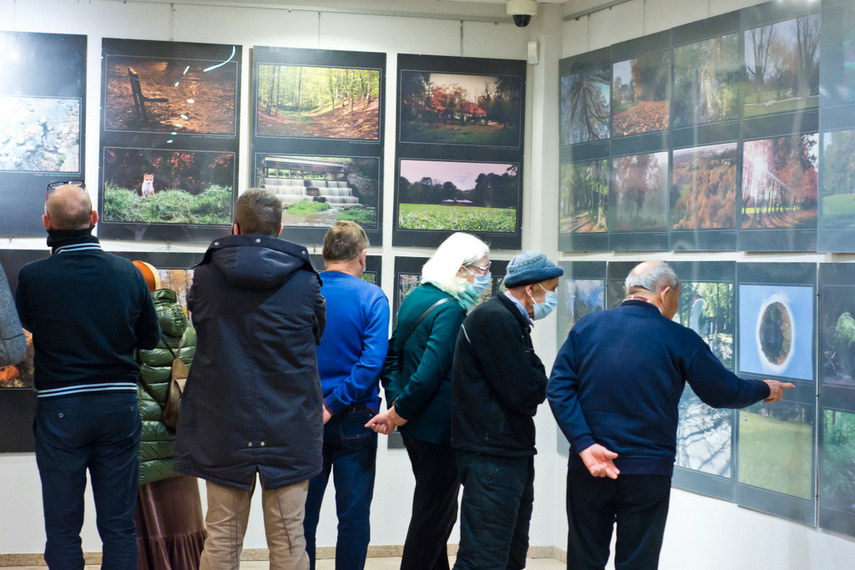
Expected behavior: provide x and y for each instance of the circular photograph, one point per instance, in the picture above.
(775, 333)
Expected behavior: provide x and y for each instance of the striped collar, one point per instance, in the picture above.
(75, 247)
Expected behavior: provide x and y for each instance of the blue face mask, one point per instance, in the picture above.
(469, 297)
(482, 282)
(550, 301)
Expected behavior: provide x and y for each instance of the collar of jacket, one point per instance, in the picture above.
(258, 240)
(509, 305)
(59, 238)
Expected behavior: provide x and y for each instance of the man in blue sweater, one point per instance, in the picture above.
(614, 390)
(88, 310)
(350, 358)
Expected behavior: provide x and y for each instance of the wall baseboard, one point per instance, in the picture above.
(256, 554)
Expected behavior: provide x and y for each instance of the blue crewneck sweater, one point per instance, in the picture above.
(355, 341)
(618, 378)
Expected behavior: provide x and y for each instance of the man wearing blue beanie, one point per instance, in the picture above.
(498, 382)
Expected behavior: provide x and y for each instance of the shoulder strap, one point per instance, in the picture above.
(402, 342)
(172, 352)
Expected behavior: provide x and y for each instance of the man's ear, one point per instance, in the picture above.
(46, 222)
(235, 229)
(93, 218)
(281, 227)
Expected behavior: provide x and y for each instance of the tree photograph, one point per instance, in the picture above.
(454, 108)
(585, 106)
(583, 197)
(638, 199)
(180, 95)
(779, 182)
(39, 134)
(577, 298)
(318, 102)
(168, 187)
(838, 180)
(776, 448)
(458, 196)
(837, 336)
(782, 66)
(706, 81)
(640, 94)
(703, 195)
(837, 461)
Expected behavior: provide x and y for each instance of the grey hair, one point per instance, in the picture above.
(651, 276)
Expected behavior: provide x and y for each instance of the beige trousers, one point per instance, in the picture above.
(227, 517)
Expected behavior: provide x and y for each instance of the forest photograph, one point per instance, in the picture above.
(838, 180)
(775, 448)
(779, 182)
(837, 461)
(458, 196)
(640, 94)
(704, 437)
(708, 308)
(180, 95)
(585, 106)
(583, 197)
(837, 336)
(39, 134)
(615, 293)
(577, 298)
(638, 200)
(703, 195)
(317, 102)
(453, 108)
(776, 328)
(167, 187)
(317, 191)
(782, 66)
(706, 81)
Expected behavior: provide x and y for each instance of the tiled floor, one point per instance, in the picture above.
(373, 564)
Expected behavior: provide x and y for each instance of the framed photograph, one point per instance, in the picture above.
(174, 269)
(779, 193)
(581, 291)
(147, 186)
(438, 198)
(583, 205)
(706, 81)
(42, 123)
(641, 94)
(703, 197)
(782, 66)
(705, 435)
(317, 191)
(460, 108)
(638, 202)
(837, 182)
(585, 105)
(837, 57)
(170, 122)
(836, 457)
(182, 94)
(617, 271)
(836, 351)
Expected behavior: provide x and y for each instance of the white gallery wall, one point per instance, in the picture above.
(702, 533)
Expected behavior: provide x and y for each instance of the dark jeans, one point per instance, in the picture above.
(639, 505)
(99, 432)
(350, 451)
(434, 505)
(498, 493)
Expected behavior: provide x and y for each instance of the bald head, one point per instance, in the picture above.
(69, 208)
(652, 276)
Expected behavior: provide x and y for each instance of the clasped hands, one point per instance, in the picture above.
(385, 422)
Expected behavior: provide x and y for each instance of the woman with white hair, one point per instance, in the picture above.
(419, 365)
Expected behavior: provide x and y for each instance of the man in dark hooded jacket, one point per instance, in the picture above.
(253, 401)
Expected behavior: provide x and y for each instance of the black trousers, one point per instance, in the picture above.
(434, 505)
(639, 506)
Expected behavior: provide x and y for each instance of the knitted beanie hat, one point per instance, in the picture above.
(530, 267)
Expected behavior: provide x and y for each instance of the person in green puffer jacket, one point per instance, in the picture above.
(170, 527)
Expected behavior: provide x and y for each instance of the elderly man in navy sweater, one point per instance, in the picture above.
(614, 390)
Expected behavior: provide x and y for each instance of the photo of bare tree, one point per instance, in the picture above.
(585, 106)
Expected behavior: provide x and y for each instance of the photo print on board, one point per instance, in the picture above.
(638, 202)
(459, 152)
(583, 203)
(706, 81)
(641, 94)
(169, 140)
(317, 138)
(837, 203)
(42, 118)
(585, 101)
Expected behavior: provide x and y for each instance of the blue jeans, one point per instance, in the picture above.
(350, 452)
(99, 432)
(495, 512)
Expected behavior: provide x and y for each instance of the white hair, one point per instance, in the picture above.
(651, 276)
(457, 250)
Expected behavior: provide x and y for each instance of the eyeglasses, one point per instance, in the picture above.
(481, 270)
(54, 185)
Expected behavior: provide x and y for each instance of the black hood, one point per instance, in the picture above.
(257, 261)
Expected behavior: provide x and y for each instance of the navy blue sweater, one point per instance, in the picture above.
(618, 379)
(87, 310)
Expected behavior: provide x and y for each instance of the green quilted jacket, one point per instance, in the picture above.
(157, 445)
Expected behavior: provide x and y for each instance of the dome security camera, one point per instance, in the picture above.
(522, 11)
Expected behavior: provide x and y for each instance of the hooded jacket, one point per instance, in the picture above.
(253, 400)
(157, 443)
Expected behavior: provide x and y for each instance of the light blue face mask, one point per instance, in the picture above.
(481, 282)
(550, 301)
